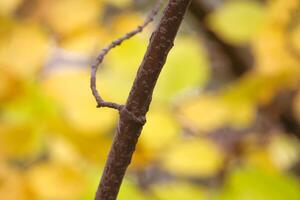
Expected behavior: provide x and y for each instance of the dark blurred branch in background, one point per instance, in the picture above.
(228, 62)
(280, 112)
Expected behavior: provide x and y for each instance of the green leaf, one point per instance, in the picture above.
(253, 184)
(186, 69)
(237, 21)
(130, 191)
(178, 191)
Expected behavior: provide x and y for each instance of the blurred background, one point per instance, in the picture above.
(224, 123)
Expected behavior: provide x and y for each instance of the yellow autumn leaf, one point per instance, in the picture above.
(66, 16)
(208, 112)
(62, 150)
(247, 182)
(178, 191)
(130, 190)
(56, 181)
(284, 7)
(7, 7)
(272, 55)
(294, 40)
(160, 131)
(71, 91)
(199, 157)
(284, 151)
(13, 185)
(121, 59)
(86, 42)
(19, 141)
(203, 113)
(260, 158)
(186, 70)
(238, 21)
(23, 49)
(141, 158)
(256, 153)
(275, 46)
(8, 86)
(258, 87)
(93, 148)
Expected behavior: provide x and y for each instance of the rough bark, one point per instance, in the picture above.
(132, 114)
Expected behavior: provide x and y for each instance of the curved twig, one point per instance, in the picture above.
(104, 51)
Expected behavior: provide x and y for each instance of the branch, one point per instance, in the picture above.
(132, 115)
(117, 42)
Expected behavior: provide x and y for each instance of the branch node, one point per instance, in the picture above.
(138, 119)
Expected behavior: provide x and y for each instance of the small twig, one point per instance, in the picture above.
(117, 42)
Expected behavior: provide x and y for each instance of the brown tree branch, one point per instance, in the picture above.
(132, 115)
(104, 51)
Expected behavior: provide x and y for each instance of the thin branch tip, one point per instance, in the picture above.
(113, 44)
(105, 104)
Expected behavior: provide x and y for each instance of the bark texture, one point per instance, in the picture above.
(132, 114)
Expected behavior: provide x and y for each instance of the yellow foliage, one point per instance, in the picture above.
(238, 21)
(70, 89)
(85, 42)
(191, 65)
(13, 185)
(118, 3)
(129, 190)
(272, 47)
(91, 147)
(67, 16)
(284, 151)
(284, 7)
(208, 112)
(160, 131)
(260, 158)
(197, 157)
(204, 113)
(62, 150)
(179, 191)
(56, 181)
(23, 48)
(7, 7)
(48, 109)
(295, 38)
(19, 140)
(123, 23)
(8, 85)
